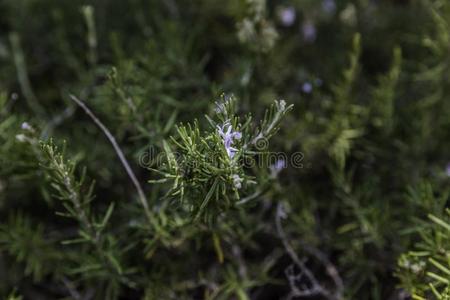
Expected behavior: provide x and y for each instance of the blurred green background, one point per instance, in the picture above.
(370, 85)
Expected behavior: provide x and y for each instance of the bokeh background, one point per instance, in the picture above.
(369, 81)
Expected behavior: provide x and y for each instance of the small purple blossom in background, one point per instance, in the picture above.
(276, 168)
(447, 170)
(319, 82)
(307, 87)
(26, 126)
(309, 31)
(279, 165)
(23, 137)
(228, 137)
(287, 16)
(329, 6)
(14, 96)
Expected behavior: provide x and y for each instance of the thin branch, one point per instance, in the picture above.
(316, 288)
(71, 289)
(329, 267)
(247, 199)
(119, 152)
(237, 252)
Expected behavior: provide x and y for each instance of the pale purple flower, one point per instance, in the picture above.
(307, 87)
(26, 126)
(228, 136)
(309, 31)
(287, 16)
(276, 168)
(329, 6)
(447, 170)
(237, 181)
(280, 164)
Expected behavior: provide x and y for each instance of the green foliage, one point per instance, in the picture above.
(342, 129)
(103, 261)
(207, 169)
(28, 245)
(255, 29)
(424, 271)
(342, 194)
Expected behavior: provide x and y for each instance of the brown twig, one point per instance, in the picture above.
(119, 153)
(316, 288)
